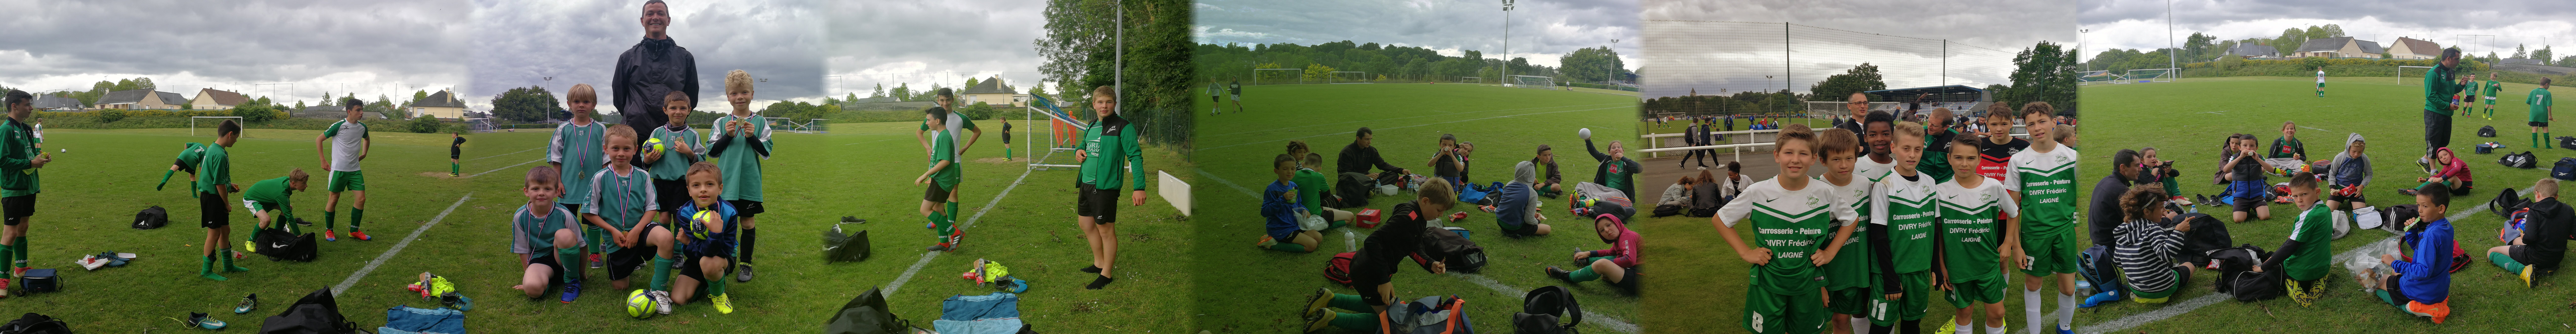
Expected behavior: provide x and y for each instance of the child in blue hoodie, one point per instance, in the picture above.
(2422, 286)
(1280, 212)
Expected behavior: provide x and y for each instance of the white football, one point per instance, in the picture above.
(1585, 132)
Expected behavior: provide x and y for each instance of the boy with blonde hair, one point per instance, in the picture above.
(576, 151)
(624, 207)
(742, 142)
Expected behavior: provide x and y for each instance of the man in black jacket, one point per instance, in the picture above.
(2102, 215)
(1359, 158)
(2544, 236)
(651, 69)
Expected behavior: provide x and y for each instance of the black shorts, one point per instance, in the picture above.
(1369, 269)
(549, 261)
(453, 152)
(2248, 204)
(2540, 124)
(1627, 282)
(689, 267)
(934, 194)
(743, 208)
(1099, 204)
(624, 262)
(212, 212)
(2347, 200)
(1527, 229)
(17, 208)
(2464, 188)
(670, 194)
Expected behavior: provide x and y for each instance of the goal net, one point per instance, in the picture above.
(1344, 77)
(2412, 75)
(2091, 77)
(209, 122)
(1278, 75)
(2151, 75)
(1532, 81)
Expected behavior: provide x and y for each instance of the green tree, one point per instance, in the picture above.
(2045, 72)
(1319, 72)
(2519, 53)
(2200, 47)
(1860, 78)
(2543, 55)
(1596, 64)
(970, 83)
(525, 104)
(425, 125)
(901, 92)
(879, 92)
(2289, 41)
(257, 113)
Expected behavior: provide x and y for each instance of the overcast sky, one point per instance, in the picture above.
(251, 46)
(2131, 24)
(1541, 30)
(922, 42)
(1903, 38)
(518, 43)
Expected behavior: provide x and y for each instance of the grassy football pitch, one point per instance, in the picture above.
(1244, 289)
(2186, 119)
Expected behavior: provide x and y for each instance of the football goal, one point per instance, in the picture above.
(2090, 77)
(210, 123)
(1298, 75)
(1533, 81)
(1477, 80)
(1346, 77)
(2412, 75)
(2152, 75)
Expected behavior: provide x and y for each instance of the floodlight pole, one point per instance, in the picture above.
(550, 89)
(1507, 42)
(1118, 67)
(1614, 70)
(2171, 56)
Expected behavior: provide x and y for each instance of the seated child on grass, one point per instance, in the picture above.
(541, 233)
(1282, 217)
(2422, 286)
(1617, 265)
(2304, 258)
(709, 242)
(1516, 204)
(2536, 249)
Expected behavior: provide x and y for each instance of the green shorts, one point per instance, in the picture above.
(1769, 313)
(2321, 85)
(2490, 100)
(348, 181)
(1964, 294)
(1918, 289)
(1850, 301)
(2050, 254)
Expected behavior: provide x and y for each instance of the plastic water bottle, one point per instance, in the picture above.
(1351, 240)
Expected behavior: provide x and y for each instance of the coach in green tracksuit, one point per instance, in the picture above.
(2439, 85)
(1110, 154)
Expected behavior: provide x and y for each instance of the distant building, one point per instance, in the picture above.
(2251, 50)
(992, 92)
(209, 98)
(333, 112)
(2409, 48)
(442, 104)
(2339, 47)
(58, 103)
(141, 99)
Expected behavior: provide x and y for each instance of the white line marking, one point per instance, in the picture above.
(497, 155)
(2304, 126)
(1345, 133)
(2220, 112)
(506, 167)
(970, 222)
(2134, 320)
(398, 247)
(1604, 320)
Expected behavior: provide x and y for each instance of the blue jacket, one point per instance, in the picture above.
(2427, 278)
(1278, 203)
(1511, 207)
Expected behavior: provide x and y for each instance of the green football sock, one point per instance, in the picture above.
(21, 252)
(451, 168)
(206, 268)
(2535, 139)
(716, 286)
(1365, 322)
(1289, 247)
(227, 254)
(9, 251)
(1350, 302)
(952, 213)
(330, 218)
(356, 215)
(2383, 297)
(2507, 262)
(1583, 275)
(661, 274)
(572, 269)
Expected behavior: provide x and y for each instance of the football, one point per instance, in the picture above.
(1585, 132)
(698, 223)
(653, 146)
(639, 305)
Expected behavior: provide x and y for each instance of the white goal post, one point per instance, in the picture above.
(1300, 75)
(1471, 79)
(1533, 81)
(2403, 73)
(2153, 75)
(192, 122)
(1338, 79)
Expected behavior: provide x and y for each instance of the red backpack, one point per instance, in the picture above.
(1338, 269)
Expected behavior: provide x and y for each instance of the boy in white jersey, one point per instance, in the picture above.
(1877, 130)
(343, 145)
(2042, 180)
(1974, 211)
(2321, 81)
(1902, 207)
(1847, 276)
(1790, 216)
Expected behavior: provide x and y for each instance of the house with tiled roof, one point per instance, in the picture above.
(2339, 47)
(442, 104)
(2409, 48)
(993, 92)
(141, 99)
(209, 98)
(58, 103)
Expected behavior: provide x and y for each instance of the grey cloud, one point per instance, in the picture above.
(964, 37)
(1537, 26)
(226, 42)
(516, 43)
(1903, 37)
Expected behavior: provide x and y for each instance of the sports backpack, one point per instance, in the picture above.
(2521, 160)
(1351, 191)
(2565, 169)
(1338, 269)
(1542, 307)
(2567, 142)
(278, 244)
(866, 314)
(2505, 203)
(1451, 249)
(1429, 315)
(316, 313)
(151, 218)
(35, 324)
(2232, 262)
(2486, 131)
(844, 247)
(2207, 234)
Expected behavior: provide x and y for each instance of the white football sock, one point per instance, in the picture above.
(2065, 311)
(1963, 329)
(1995, 330)
(2030, 310)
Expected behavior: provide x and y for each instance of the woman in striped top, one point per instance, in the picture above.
(2146, 249)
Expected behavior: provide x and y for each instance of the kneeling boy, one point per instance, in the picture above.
(541, 233)
(709, 242)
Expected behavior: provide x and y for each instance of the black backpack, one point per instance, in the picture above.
(866, 314)
(2233, 262)
(2505, 202)
(151, 218)
(1542, 307)
(2564, 170)
(2567, 142)
(844, 247)
(2523, 160)
(316, 313)
(1351, 191)
(2207, 234)
(1451, 249)
(278, 244)
(1667, 210)
(2256, 286)
(2486, 131)
(35, 324)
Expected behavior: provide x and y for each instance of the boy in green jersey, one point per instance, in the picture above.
(962, 136)
(18, 182)
(1974, 212)
(1847, 283)
(942, 178)
(681, 146)
(625, 207)
(342, 146)
(2303, 259)
(272, 200)
(1111, 154)
(1902, 208)
(541, 233)
(2539, 101)
(2043, 181)
(214, 185)
(575, 150)
(1790, 215)
(742, 142)
(1937, 136)
(2493, 88)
